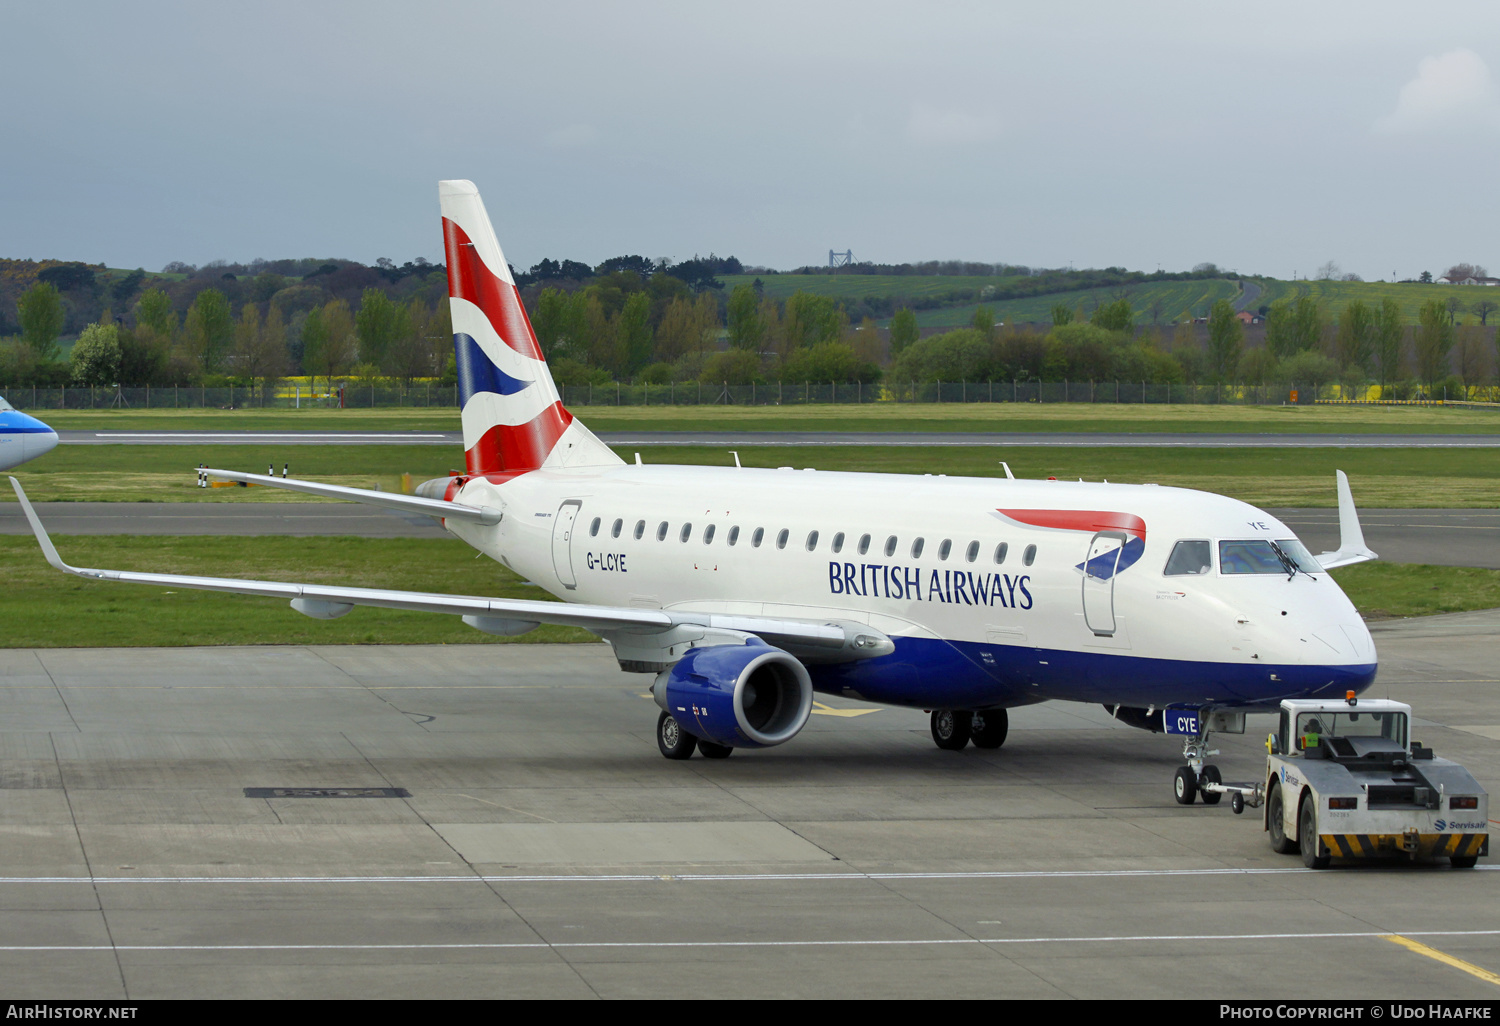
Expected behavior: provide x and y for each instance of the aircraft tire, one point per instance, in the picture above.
(1275, 823)
(989, 727)
(1307, 836)
(1185, 785)
(709, 750)
(1210, 776)
(674, 742)
(951, 728)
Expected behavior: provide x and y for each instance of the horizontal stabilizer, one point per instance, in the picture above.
(390, 500)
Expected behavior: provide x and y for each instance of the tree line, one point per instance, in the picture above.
(632, 319)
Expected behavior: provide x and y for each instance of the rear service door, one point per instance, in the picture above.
(1099, 582)
(562, 542)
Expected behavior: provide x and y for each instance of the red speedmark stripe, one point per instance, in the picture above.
(523, 447)
(1091, 520)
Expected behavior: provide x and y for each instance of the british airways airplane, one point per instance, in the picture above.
(746, 591)
(22, 437)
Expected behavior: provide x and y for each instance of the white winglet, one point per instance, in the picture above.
(1352, 547)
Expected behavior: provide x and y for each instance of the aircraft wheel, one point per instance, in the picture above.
(1462, 861)
(1307, 837)
(709, 750)
(674, 742)
(1210, 776)
(951, 728)
(989, 728)
(1276, 823)
(1185, 785)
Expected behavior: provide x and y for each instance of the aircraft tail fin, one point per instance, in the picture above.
(513, 418)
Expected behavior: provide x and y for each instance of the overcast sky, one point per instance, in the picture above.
(1268, 138)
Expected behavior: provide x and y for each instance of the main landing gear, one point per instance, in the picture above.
(676, 743)
(953, 729)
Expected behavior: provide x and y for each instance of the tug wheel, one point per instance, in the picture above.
(1276, 822)
(1185, 785)
(1307, 836)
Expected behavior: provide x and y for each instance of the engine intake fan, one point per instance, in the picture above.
(743, 696)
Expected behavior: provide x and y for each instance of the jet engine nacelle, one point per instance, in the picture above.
(743, 696)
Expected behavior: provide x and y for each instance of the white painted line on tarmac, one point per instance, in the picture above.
(700, 945)
(845, 877)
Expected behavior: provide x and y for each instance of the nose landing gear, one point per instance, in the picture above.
(1199, 779)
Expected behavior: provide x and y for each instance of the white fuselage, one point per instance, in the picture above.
(973, 630)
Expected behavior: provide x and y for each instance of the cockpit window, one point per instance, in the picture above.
(1258, 556)
(1299, 554)
(1189, 558)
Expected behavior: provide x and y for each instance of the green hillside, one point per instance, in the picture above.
(1175, 297)
(1333, 296)
(1163, 301)
(863, 286)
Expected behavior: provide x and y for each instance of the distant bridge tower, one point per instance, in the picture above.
(843, 259)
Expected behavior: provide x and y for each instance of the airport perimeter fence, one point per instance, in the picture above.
(692, 393)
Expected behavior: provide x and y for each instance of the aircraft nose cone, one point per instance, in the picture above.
(40, 443)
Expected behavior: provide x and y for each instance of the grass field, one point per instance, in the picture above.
(1435, 478)
(42, 608)
(887, 416)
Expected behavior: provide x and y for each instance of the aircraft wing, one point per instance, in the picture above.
(390, 500)
(1352, 548)
(827, 640)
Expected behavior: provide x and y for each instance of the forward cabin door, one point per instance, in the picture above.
(1099, 582)
(562, 542)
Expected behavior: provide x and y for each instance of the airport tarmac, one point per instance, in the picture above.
(1442, 537)
(732, 438)
(541, 847)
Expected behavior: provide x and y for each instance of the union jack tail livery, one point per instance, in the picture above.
(513, 419)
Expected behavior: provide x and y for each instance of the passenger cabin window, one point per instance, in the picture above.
(1188, 559)
(1001, 551)
(640, 529)
(757, 537)
(916, 548)
(782, 537)
(614, 532)
(890, 545)
(973, 551)
(734, 534)
(1029, 556)
(661, 531)
(812, 541)
(686, 533)
(594, 527)
(945, 548)
(864, 544)
(838, 542)
(708, 534)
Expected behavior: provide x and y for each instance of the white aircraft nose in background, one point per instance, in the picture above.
(22, 437)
